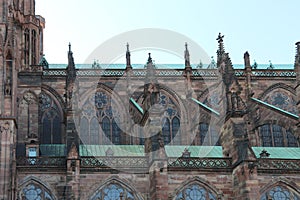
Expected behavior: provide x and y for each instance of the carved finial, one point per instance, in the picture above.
(221, 50)
(247, 59)
(297, 57)
(128, 62)
(264, 154)
(187, 56)
(149, 58)
(220, 38)
(69, 46)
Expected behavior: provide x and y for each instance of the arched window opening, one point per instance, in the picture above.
(84, 127)
(114, 191)
(51, 121)
(33, 48)
(26, 47)
(170, 122)
(279, 193)
(196, 192)
(206, 135)
(273, 135)
(94, 131)
(175, 131)
(166, 134)
(35, 192)
(98, 109)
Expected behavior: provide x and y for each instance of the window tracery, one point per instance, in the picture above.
(279, 193)
(283, 101)
(206, 135)
(170, 121)
(196, 192)
(35, 192)
(273, 135)
(50, 120)
(100, 121)
(113, 191)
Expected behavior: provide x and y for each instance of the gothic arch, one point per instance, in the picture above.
(103, 104)
(57, 97)
(37, 183)
(200, 182)
(276, 133)
(51, 118)
(280, 182)
(277, 86)
(124, 184)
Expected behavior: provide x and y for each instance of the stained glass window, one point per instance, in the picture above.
(103, 120)
(195, 192)
(51, 120)
(206, 135)
(273, 135)
(266, 136)
(279, 193)
(113, 191)
(171, 121)
(277, 135)
(34, 192)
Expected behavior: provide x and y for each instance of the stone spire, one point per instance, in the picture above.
(187, 56)
(221, 49)
(128, 61)
(297, 57)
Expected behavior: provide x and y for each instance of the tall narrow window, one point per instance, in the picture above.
(33, 48)
(266, 136)
(206, 135)
(94, 131)
(175, 131)
(106, 129)
(50, 121)
(277, 135)
(166, 134)
(26, 47)
(116, 133)
(273, 135)
(84, 127)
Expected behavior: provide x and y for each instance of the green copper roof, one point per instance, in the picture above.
(118, 150)
(196, 151)
(137, 105)
(276, 108)
(279, 152)
(53, 150)
(206, 107)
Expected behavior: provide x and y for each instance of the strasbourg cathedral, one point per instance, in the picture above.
(191, 133)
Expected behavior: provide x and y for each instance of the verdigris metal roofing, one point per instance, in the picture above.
(279, 152)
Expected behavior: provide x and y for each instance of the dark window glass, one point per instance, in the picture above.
(106, 129)
(166, 131)
(84, 130)
(94, 131)
(266, 136)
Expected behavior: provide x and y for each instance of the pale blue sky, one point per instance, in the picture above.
(268, 29)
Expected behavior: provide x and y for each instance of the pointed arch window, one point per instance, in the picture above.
(35, 192)
(102, 119)
(33, 48)
(279, 193)
(273, 135)
(26, 46)
(50, 121)
(170, 121)
(206, 135)
(195, 192)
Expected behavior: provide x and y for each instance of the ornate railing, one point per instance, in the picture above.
(54, 72)
(200, 163)
(274, 73)
(115, 162)
(41, 161)
(170, 72)
(278, 164)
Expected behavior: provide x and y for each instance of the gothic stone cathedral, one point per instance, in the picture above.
(214, 132)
